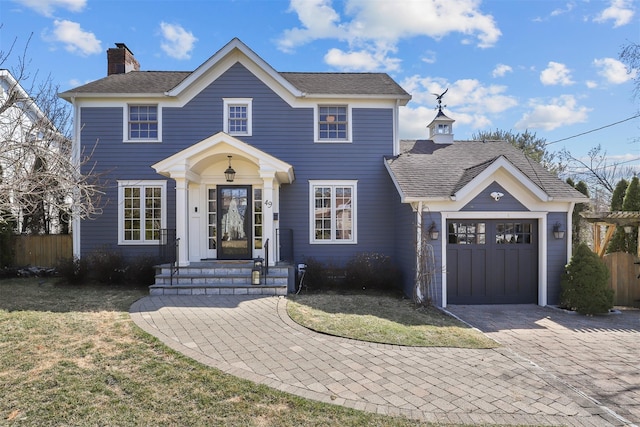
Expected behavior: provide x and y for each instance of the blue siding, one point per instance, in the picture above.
(484, 201)
(556, 256)
(278, 129)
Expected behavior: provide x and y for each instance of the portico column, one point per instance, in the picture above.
(267, 209)
(182, 214)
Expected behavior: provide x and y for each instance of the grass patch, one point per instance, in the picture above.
(72, 356)
(383, 319)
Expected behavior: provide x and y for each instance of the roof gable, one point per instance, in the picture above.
(446, 172)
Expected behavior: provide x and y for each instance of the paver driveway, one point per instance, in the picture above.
(253, 338)
(597, 355)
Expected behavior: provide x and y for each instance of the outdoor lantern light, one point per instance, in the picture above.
(433, 231)
(229, 174)
(557, 232)
(256, 271)
(628, 229)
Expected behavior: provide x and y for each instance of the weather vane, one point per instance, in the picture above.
(439, 99)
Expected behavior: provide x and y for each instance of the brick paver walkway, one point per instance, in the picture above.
(253, 338)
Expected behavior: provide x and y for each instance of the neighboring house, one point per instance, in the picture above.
(29, 148)
(236, 156)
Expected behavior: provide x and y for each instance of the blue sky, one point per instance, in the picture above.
(547, 66)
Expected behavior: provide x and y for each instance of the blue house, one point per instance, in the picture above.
(246, 162)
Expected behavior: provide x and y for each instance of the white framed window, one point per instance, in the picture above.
(333, 124)
(443, 128)
(237, 116)
(143, 123)
(142, 211)
(333, 212)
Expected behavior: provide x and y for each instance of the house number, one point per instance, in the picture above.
(268, 203)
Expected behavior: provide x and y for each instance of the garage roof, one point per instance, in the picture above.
(426, 170)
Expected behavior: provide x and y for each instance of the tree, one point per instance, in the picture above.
(584, 283)
(532, 146)
(618, 242)
(630, 56)
(577, 220)
(42, 177)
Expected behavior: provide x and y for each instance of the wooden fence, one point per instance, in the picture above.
(624, 278)
(42, 251)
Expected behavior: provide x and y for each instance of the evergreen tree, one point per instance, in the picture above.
(618, 242)
(631, 203)
(618, 195)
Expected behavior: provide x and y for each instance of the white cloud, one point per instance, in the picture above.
(501, 70)
(74, 38)
(568, 8)
(549, 115)
(377, 26)
(361, 61)
(47, 7)
(429, 57)
(613, 70)
(178, 42)
(468, 101)
(620, 12)
(591, 84)
(556, 74)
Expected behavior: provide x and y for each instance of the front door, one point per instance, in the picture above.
(233, 219)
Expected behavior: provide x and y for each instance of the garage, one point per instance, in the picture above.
(492, 261)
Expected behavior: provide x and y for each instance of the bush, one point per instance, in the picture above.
(584, 285)
(141, 271)
(73, 271)
(108, 266)
(322, 276)
(372, 271)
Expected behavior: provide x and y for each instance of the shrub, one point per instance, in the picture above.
(584, 285)
(372, 271)
(73, 271)
(322, 276)
(141, 271)
(108, 266)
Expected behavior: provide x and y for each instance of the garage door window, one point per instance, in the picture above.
(467, 233)
(513, 233)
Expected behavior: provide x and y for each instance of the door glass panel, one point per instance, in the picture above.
(212, 234)
(235, 219)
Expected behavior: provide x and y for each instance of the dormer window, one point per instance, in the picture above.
(237, 116)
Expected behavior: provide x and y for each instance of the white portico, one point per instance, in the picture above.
(221, 219)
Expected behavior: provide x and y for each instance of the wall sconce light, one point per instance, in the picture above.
(496, 195)
(229, 174)
(433, 231)
(628, 229)
(557, 232)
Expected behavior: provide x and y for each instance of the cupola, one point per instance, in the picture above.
(441, 127)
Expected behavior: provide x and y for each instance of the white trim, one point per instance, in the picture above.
(502, 163)
(354, 211)
(125, 123)
(247, 102)
(316, 125)
(142, 184)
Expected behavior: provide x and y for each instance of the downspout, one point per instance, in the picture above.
(396, 137)
(416, 284)
(572, 206)
(75, 161)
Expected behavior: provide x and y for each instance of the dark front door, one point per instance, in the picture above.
(234, 222)
(492, 261)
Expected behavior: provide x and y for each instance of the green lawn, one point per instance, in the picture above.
(383, 319)
(73, 357)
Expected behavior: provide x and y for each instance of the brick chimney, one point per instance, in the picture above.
(120, 60)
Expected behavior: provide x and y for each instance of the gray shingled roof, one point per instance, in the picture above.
(345, 83)
(159, 82)
(427, 170)
(134, 82)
